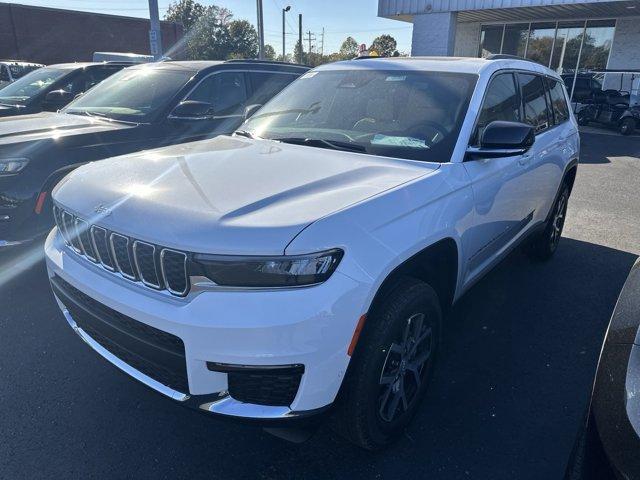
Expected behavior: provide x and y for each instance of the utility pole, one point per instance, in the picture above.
(300, 60)
(322, 44)
(260, 31)
(284, 52)
(309, 39)
(155, 37)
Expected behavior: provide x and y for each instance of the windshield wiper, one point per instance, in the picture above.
(322, 143)
(244, 133)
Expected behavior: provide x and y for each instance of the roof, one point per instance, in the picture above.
(198, 65)
(439, 64)
(74, 65)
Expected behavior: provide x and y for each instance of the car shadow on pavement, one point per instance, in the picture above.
(599, 147)
(512, 382)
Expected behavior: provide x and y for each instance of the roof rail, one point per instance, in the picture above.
(504, 56)
(272, 62)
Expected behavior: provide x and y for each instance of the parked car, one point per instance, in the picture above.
(11, 70)
(141, 107)
(609, 440)
(588, 86)
(51, 88)
(308, 261)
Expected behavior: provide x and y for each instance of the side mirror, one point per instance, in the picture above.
(192, 110)
(57, 99)
(251, 109)
(503, 139)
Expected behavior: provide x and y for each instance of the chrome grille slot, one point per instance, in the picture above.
(122, 256)
(144, 256)
(138, 261)
(101, 246)
(69, 228)
(82, 228)
(174, 271)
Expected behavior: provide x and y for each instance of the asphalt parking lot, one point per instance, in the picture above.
(507, 399)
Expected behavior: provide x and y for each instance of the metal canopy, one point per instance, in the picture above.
(554, 12)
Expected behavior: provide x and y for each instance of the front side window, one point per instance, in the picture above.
(406, 114)
(534, 101)
(558, 101)
(133, 94)
(226, 92)
(30, 85)
(501, 102)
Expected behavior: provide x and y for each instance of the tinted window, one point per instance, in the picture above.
(4, 74)
(226, 91)
(407, 114)
(135, 94)
(30, 85)
(534, 101)
(501, 101)
(264, 86)
(558, 101)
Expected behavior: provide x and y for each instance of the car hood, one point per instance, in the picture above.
(228, 195)
(47, 125)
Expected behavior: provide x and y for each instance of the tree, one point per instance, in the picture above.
(349, 48)
(243, 40)
(384, 45)
(269, 52)
(296, 53)
(206, 29)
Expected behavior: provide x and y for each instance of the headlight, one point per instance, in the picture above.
(265, 272)
(10, 166)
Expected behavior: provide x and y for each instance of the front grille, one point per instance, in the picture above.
(151, 265)
(155, 353)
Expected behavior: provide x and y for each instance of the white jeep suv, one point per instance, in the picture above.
(308, 260)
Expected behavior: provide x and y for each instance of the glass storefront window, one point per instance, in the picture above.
(567, 46)
(540, 44)
(515, 39)
(597, 44)
(490, 40)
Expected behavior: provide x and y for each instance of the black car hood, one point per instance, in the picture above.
(48, 125)
(9, 110)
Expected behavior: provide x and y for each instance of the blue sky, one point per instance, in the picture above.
(339, 18)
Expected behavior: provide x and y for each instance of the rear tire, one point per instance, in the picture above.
(627, 126)
(544, 245)
(391, 366)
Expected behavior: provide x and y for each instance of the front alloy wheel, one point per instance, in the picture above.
(403, 370)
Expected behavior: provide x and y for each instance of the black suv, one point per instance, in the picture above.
(51, 88)
(141, 107)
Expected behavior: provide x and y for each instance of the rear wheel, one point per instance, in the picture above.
(391, 366)
(545, 244)
(627, 126)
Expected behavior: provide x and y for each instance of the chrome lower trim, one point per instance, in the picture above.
(125, 367)
(233, 408)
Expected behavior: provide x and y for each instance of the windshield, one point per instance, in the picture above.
(30, 85)
(135, 95)
(406, 114)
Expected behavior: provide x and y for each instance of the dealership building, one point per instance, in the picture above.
(566, 35)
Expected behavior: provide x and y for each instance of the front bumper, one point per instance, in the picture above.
(308, 326)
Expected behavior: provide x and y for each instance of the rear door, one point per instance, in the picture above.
(500, 187)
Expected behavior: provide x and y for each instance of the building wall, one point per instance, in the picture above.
(49, 35)
(467, 42)
(625, 51)
(434, 34)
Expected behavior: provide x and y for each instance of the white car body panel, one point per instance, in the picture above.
(240, 196)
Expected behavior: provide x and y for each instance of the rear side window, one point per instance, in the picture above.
(501, 102)
(558, 101)
(266, 85)
(534, 101)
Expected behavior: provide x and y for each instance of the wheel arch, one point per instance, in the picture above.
(436, 265)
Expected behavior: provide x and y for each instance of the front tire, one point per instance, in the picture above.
(544, 245)
(391, 366)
